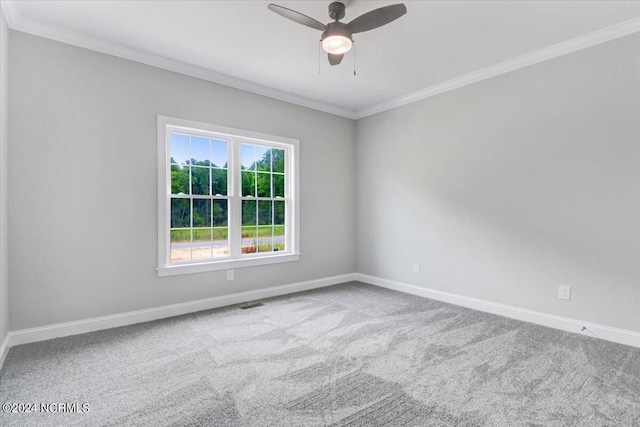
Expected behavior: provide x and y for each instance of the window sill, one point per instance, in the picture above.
(174, 270)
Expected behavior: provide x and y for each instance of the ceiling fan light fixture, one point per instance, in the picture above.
(337, 44)
(337, 37)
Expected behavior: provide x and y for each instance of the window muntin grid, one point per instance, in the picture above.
(201, 200)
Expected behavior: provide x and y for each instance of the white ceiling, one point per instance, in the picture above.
(436, 46)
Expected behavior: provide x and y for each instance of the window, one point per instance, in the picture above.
(227, 198)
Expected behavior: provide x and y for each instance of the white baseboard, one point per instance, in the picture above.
(4, 350)
(25, 336)
(621, 336)
(42, 333)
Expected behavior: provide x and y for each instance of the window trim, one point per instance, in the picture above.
(292, 170)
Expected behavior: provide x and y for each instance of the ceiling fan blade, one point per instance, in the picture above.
(335, 59)
(376, 18)
(297, 17)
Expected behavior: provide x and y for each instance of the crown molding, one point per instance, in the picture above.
(10, 12)
(606, 34)
(17, 22)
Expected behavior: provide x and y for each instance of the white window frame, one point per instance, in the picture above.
(235, 259)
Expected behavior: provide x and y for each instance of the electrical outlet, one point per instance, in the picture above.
(229, 274)
(564, 292)
(416, 268)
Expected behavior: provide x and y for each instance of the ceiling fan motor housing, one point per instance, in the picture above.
(336, 10)
(336, 29)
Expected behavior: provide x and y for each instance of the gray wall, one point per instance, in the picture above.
(505, 189)
(4, 253)
(83, 177)
(502, 190)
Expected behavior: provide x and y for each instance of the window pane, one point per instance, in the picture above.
(248, 184)
(249, 247)
(265, 244)
(180, 213)
(200, 181)
(265, 212)
(263, 156)
(265, 231)
(278, 212)
(179, 147)
(265, 239)
(201, 213)
(249, 239)
(220, 213)
(180, 245)
(201, 235)
(220, 242)
(248, 157)
(200, 151)
(250, 232)
(179, 179)
(264, 184)
(219, 153)
(201, 246)
(219, 182)
(277, 160)
(201, 252)
(248, 212)
(278, 185)
(278, 238)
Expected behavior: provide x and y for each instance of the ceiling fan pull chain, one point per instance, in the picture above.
(319, 54)
(354, 58)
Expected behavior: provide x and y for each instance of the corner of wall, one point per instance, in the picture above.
(4, 276)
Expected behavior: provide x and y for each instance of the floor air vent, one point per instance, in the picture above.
(251, 305)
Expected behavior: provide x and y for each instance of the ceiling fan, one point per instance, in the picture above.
(337, 37)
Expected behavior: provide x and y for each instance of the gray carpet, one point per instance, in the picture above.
(348, 355)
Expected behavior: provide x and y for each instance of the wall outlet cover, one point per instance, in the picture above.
(564, 292)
